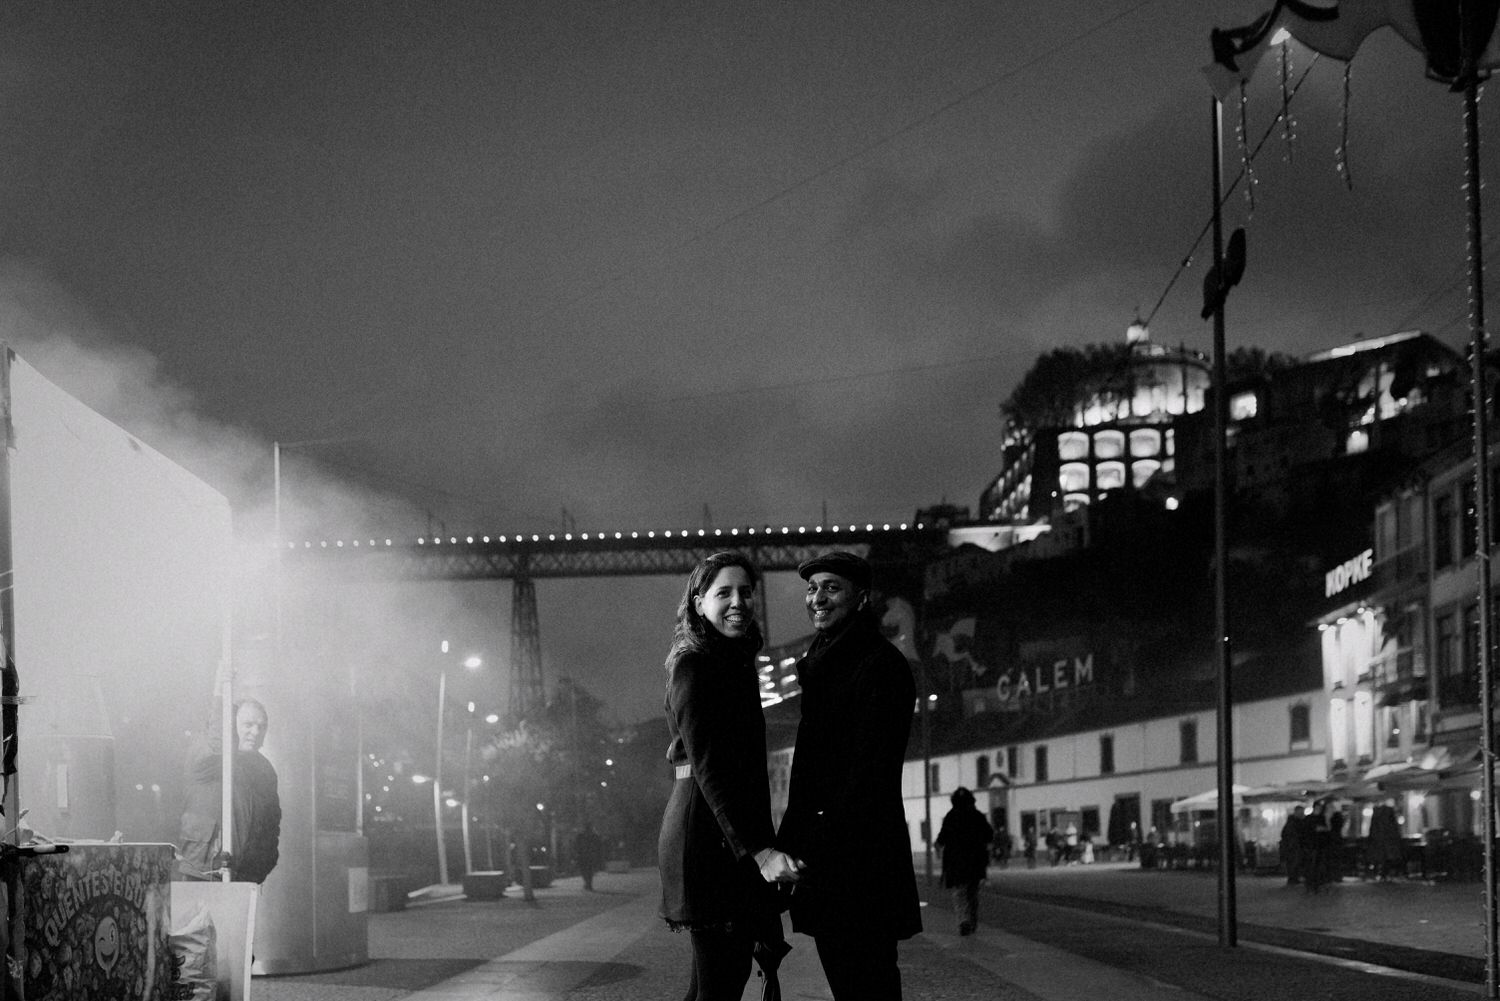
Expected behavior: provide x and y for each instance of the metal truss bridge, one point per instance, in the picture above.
(605, 554)
(894, 550)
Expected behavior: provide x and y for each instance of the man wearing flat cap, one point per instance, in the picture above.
(844, 820)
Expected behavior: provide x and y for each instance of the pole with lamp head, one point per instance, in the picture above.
(472, 663)
(1461, 49)
(437, 775)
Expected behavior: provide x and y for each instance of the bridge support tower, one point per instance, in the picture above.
(527, 694)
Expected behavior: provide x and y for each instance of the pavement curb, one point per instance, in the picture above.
(1444, 965)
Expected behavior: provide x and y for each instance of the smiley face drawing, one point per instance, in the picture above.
(107, 943)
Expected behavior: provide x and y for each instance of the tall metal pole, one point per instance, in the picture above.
(437, 777)
(468, 757)
(1227, 931)
(276, 564)
(926, 771)
(1482, 499)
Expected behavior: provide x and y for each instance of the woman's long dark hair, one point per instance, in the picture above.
(692, 632)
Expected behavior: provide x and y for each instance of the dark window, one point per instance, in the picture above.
(1301, 723)
(1470, 663)
(1106, 754)
(1442, 531)
(1161, 818)
(933, 785)
(1392, 725)
(1386, 544)
(1450, 660)
(1090, 823)
(1189, 734)
(1041, 763)
(1494, 513)
(982, 771)
(1012, 761)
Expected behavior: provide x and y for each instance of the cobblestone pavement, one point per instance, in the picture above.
(574, 946)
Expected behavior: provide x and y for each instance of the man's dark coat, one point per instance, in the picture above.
(844, 814)
(965, 840)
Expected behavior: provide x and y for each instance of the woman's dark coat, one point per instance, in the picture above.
(720, 816)
(965, 838)
(844, 814)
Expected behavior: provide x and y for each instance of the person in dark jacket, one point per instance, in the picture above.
(844, 818)
(964, 839)
(1294, 847)
(256, 827)
(715, 848)
(588, 853)
(1318, 845)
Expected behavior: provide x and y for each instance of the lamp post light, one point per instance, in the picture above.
(472, 663)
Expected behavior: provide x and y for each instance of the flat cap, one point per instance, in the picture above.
(848, 566)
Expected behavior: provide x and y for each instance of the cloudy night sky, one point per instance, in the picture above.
(657, 263)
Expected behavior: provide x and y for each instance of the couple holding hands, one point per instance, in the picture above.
(842, 845)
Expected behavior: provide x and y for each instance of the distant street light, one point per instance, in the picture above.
(472, 663)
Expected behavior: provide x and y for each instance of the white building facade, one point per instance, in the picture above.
(1126, 773)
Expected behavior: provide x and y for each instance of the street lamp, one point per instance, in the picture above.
(471, 663)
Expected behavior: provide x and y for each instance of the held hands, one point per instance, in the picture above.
(777, 866)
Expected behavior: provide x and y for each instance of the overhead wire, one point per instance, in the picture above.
(1187, 259)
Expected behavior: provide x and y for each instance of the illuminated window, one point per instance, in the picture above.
(1364, 726)
(1109, 444)
(1073, 502)
(1072, 446)
(1142, 470)
(1145, 442)
(1243, 406)
(1358, 441)
(1170, 438)
(1338, 729)
(1073, 476)
(1110, 475)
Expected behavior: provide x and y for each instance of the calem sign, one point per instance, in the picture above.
(1349, 573)
(1059, 676)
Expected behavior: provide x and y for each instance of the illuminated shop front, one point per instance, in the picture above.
(1372, 635)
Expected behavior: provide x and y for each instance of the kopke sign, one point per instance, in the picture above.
(1028, 682)
(1348, 573)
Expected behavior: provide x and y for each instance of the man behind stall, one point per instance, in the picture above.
(256, 802)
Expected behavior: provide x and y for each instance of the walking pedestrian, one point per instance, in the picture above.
(1336, 845)
(1002, 848)
(844, 815)
(1319, 844)
(1293, 846)
(715, 848)
(588, 853)
(1384, 848)
(964, 839)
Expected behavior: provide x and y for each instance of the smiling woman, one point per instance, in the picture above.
(716, 831)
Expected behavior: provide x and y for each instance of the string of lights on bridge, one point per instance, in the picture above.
(701, 533)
